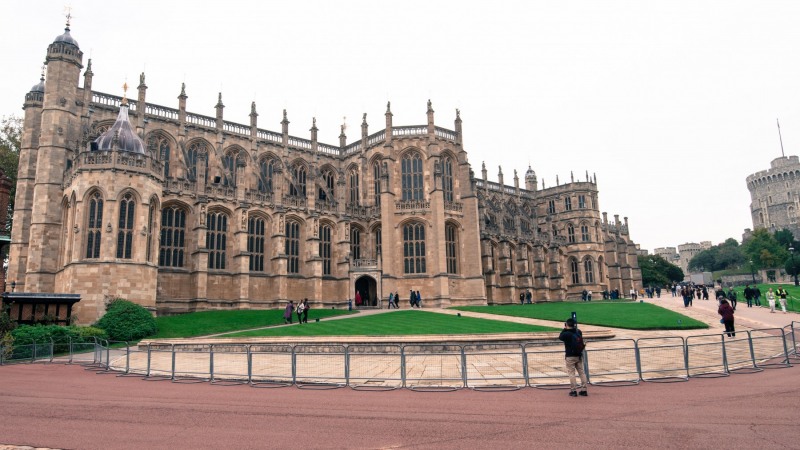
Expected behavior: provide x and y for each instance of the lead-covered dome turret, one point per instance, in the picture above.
(120, 136)
(66, 38)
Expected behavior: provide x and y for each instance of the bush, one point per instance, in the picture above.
(127, 321)
(61, 336)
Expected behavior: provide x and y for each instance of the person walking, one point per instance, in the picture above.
(782, 294)
(748, 296)
(726, 311)
(732, 297)
(757, 295)
(771, 300)
(358, 298)
(412, 298)
(300, 309)
(572, 338)
(528, 297)
(391, 300)
(521, 298)
(397, 299)
(287, 312)
(306, 308)
(419, 300)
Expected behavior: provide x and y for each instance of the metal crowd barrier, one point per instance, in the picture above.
(423, 367)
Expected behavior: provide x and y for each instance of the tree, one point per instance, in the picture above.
(792, 266)
(764, 250)
(657, 271)
(10, 140)
(727, 255)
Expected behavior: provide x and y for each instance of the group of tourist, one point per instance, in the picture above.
(414, 299)
(301, 310)
(526, 297)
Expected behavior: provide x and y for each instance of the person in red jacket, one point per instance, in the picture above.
(726, 311)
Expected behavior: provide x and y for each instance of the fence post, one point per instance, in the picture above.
(52, 349)
(147, 374)
(464, 376)
(525, 365)
(752, 352)
(211, 362)
(69, 360)
(172, 348)
(585, 361)
(249, 364)
(785, 349)
(33, 353)
(794, 340)
(108, 356)
(347, 365)
(724, 355)
(403, 365)
(127, 357)
(294, 366)
(638, 359)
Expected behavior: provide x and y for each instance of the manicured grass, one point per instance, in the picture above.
(792, 300)
(212, 322)
(630, 315)
(398, 323)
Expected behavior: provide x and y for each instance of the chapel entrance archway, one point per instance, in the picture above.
(367, 287)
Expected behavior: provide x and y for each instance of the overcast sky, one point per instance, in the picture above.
(671, 103)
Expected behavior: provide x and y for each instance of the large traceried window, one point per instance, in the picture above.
(568, 204)
(573, 265)
(327, 191)
(192, 154)
(292, 246)
(297, 187)
(217, 239)
(447, 179)
(151, 213)
(266, 170)
(588, 270)
(551, 207)
(411, 177)
(159, 146)
(570, 233)
(451, 246)
(230, 161)
(94, 226)
(582, 201)
(325, 247)
(125, 229)
(378, 242)
(414, 248)
(585, 232)
(376, 182)
(173, 231)
(353, 186)
(355, 243)
(256, 227)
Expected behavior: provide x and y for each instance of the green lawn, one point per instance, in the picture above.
(630, 315)
(212, 322)
(792, 301)
(398, 323)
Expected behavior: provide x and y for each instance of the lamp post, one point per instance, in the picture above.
(753, 271)
(794, 269)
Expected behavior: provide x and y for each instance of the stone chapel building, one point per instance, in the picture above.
(182, 212)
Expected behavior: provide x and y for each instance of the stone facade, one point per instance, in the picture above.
(775, 195)
(218, 215)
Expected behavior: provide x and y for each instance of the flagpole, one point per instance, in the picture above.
(780, 137)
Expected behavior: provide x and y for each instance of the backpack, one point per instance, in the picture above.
(580, 346)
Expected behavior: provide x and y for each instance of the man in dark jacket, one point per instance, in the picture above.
(573, 353)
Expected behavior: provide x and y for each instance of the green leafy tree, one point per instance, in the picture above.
(657, 271)
(10, 139)
(727, 255)
(792, 265)
(764, 250)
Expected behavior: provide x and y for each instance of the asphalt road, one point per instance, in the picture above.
(58, 406)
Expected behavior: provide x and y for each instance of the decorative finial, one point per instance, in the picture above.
(430, 106)
(388, 107)
(88, 66)
(68, 10)
(252, 107)
(364, 119)
(124, 94)
(314, 121)
(458, 114)
(284, 114)
(183, 89)
(141, 79)
(44, 67)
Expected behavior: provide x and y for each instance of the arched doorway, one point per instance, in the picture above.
(368, 289)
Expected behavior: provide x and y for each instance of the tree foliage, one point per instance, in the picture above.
(727, 255)
(10, 140)
(657, 271)
(764, 249)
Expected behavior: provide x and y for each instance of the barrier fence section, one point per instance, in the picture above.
(432, 367)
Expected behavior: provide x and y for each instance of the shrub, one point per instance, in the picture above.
(127, 321)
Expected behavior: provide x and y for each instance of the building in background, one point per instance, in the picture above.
(181, 212)
(774, 195)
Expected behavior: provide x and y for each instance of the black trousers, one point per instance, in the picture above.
(729, 328)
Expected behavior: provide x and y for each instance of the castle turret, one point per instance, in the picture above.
(530, 179)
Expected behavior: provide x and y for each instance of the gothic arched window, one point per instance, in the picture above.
(192, 154)
(376, 182)
(573, 265)
(325, 247)
(217, 239)
(355, 243)
(256, 227)
(447, 179)
(451, 246)
(160, 147)
(173, 231)
(94, 226)
(570, 233)
(414, 248)
(378, 242)
(292, 249)
(328, 182)
(411, 177)
(297, 188)
(588, 270)
(585, 232)
(266, 169)
(127, 209)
